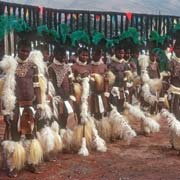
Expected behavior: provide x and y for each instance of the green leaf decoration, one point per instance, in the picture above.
(19, 25)
(132, 34)
(9, 23)
(54, 34)
(64, 31)
(43, 29)
(154, 36)
(159, 40)
(163, 60)
(97, 37)
(79, 37)
(109, 43)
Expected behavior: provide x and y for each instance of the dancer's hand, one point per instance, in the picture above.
(106, 94)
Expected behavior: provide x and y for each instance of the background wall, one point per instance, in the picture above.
(163, 7)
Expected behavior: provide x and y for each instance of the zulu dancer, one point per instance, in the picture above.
(100, 88)
(118, 66)
(175, 80)
(82, 72)
(23, 122)
(60, 75)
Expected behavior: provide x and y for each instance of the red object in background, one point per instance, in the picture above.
(97, 17)
(129, 15)
(41, 9)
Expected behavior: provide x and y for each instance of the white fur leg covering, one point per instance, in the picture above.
(149, 124)
(83, 150)
(66, 136)
(58, 145)
(34, 152)
(57, 138)
(99, 143)
(173, 123)
(174, 126)
(15, 154)
(46, 139)
(148, 96)
(122, 128)
(104, 128)
(135, 111)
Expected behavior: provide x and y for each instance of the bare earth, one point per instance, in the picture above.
(147, 158)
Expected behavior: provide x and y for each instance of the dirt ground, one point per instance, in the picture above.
(147, 158)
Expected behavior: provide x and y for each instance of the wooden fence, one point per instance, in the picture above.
(109, 23)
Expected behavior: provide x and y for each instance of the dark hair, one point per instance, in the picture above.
(118, 47)
(177, 44)
(59, 51)
(97, 51)
(135, 50)
(83, 49)
(128, 51)
(43, 47)
(23, 44)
